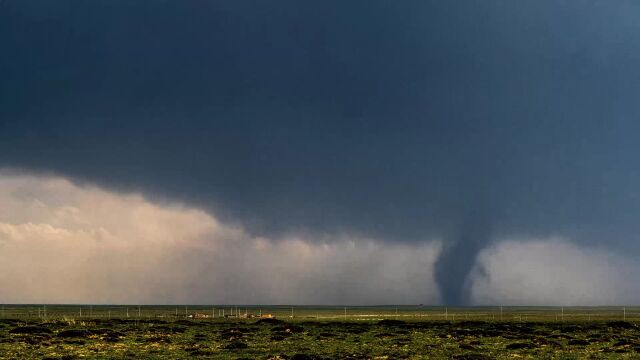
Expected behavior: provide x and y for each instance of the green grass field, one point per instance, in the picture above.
(156, 332)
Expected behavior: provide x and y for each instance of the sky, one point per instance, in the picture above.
(361, 152)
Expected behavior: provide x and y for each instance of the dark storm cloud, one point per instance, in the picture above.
(381, 118)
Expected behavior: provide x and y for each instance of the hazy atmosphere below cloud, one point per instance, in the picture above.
(66, 243)
(553, 271)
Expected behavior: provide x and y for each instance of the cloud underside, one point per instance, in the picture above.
(65, 243)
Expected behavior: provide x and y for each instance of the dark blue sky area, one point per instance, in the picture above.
(386, 118)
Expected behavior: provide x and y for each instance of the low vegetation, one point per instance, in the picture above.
(314, 339)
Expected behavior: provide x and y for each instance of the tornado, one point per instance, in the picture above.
(458, 257)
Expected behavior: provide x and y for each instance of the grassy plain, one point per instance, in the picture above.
(104, 332)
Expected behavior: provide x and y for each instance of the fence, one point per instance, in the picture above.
(354, 313)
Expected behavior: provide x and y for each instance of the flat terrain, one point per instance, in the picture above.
(360, 336)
